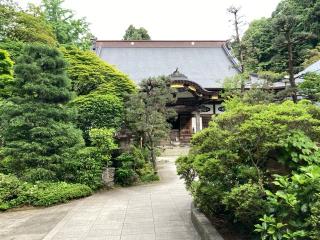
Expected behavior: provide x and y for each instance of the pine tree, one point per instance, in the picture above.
(147, 113)
(39, 137)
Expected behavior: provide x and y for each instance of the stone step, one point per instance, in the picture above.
(175, 151)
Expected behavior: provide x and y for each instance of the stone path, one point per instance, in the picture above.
(159, 211)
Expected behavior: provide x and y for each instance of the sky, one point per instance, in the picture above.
(166, 19)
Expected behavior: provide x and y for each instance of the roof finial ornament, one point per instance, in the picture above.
(176, 75)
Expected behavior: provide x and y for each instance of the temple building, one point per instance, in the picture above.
(196, 69)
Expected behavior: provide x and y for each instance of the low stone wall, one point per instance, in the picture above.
(204, 227)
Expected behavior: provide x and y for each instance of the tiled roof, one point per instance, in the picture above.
(203, 62)
(313, 68)
(299, 77)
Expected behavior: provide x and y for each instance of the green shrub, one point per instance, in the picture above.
(294, 204)
(45, 194)
(10, 189)
(298, 150)
(38, 174)
(207, 196)
(246, 173)
(98, 111)
(125, 176)
(185, 169)
(125, 169)
(232, 162)
(310, 86)
(314, 219)
(147, 174)
(15, 193)
(246, 203)
(6, 74)
(141, 155)
(134, 166)
(13, 47)
(87, 165)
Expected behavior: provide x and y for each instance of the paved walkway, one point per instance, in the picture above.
(159, 211)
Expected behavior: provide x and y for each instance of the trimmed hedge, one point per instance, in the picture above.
(15, 193)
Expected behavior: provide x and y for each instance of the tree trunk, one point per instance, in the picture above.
(241, 58)
(153, 157)
(291, 72)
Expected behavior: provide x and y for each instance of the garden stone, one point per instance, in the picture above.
(108, 177)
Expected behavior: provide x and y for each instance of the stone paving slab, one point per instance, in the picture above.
(158, 211)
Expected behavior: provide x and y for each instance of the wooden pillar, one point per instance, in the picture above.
(198, 119)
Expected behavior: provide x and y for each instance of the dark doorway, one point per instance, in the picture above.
(185, 127)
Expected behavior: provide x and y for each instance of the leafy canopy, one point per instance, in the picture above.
(265, 43)
(19, 25)
(68, 30)
(133, 33)
(88, 73)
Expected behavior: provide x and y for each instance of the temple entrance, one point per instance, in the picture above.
(194, 106)
(181, 128)
(185, 127)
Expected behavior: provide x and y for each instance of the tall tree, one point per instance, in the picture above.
(289, 41)
(67, 28)
(235, 11)
(133, 33)
(147, 113)
(262, 51)
(237, 44)
(39, 136)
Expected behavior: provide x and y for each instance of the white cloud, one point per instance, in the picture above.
(166, 19)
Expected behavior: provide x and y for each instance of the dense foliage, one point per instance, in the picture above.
(310, 87)
(15, 193)
(88, 72)
(49, 102)
(293, 25)
(259, 161)
(98, 111)
(6, 73)
(88, 164)
(134, 166)
(133, 33)
(68, 30)
(22, 26)
(40, 141)
(38, 132)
